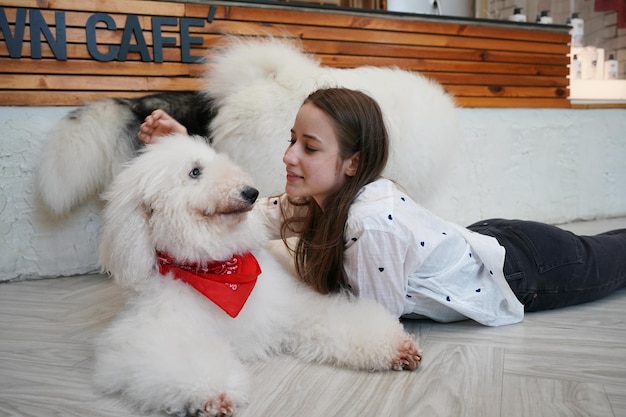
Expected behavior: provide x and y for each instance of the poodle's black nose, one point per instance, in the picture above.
(249, 194)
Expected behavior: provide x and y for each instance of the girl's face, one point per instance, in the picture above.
(314, 166)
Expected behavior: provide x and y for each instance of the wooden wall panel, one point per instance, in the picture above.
(482, 65)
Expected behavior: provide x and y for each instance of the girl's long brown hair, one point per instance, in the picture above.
(359, 126)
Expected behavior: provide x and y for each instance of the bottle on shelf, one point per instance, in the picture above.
(611, 68)
(545, 18)
(517, 15)
(578, 29)
(576, 70)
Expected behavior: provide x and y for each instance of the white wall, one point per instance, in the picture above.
(552, 165)
(31, 243)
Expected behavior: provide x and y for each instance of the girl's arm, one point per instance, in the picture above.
(375, 264)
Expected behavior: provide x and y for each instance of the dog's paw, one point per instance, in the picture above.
(409, 355)
(221, 405)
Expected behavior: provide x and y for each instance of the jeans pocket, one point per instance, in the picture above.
(548, 246)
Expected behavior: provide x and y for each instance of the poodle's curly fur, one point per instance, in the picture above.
(173, 350)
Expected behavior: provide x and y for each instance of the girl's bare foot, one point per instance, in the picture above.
(159, 123)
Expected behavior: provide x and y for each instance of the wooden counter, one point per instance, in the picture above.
(127, 48)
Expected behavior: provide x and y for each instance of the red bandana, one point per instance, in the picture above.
(228, 284)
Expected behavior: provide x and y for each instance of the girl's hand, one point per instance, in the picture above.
(157, 124)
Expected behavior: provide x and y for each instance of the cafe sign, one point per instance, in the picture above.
(133, 37)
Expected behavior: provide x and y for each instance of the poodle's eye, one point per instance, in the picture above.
(195, 173)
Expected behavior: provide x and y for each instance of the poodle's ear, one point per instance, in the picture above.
(126, 248)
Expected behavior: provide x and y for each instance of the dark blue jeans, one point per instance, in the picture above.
(548, 267)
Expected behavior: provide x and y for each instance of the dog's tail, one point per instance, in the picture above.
(83, 153)
(243, 63)
(90, 145)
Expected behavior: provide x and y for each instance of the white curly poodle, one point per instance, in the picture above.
(181, 235)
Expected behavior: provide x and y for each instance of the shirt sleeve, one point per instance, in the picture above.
(269, 208)
(272, 215)
(374, 261)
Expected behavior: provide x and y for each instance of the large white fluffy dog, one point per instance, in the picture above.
(178, 232)
(254, 88)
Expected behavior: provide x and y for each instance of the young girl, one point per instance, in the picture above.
(361, 232)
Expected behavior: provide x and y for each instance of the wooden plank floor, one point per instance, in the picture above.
(569, 362)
